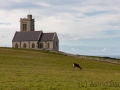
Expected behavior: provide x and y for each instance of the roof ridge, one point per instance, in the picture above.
(50, 32)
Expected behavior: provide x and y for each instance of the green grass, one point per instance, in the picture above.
(22, 69)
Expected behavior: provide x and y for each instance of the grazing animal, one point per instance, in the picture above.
(75, 65)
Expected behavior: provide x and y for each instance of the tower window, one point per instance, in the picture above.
(24, 27)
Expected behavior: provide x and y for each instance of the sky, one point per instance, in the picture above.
(85, 27)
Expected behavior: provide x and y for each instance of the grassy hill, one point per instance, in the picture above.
(22, 69)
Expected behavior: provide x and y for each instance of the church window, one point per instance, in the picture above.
(33, 45)
(48, 45)
(24, 27)
(41, 45)
(16, 45)
(24, 45)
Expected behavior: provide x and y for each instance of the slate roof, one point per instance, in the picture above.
(47, 36)
(33, 36)
(27, 36)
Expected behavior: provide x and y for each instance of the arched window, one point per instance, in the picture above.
(48, 45)
(41, 45)
(24, 45)
(33, 45)
(24, 27)
(16, 45)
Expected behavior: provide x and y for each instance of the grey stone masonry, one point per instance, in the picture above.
(27, 24)
(28, 38)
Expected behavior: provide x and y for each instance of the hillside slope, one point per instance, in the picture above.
(23, 69)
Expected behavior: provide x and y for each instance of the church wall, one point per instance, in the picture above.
(14, 43)
(25, 43)
(27, 24)
(35, 43)
(28, 44)
(56, 43)
(46, 46)
(52, 44)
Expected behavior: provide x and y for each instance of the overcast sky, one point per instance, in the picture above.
(87, 27)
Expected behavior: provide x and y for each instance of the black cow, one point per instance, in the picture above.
(75, 65)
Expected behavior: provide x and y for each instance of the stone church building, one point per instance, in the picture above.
(27, 37)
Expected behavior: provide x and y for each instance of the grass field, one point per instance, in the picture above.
(22, 69)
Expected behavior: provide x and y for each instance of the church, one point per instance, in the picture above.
(28, 38)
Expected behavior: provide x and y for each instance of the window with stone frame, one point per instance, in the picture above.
(41, 45)
(16, 45)
(24, 27)
(33, 45)
(24, 45)
(48, 45)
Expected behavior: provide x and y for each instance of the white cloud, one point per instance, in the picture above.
(74, 49)
(118, 50)
(42, 4)
(89, 50)
(95, 50)
(72, 20)
(4, 36)
(104, 49)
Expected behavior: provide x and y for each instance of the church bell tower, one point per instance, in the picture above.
(27, 24)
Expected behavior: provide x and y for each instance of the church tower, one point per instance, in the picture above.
(27, 24)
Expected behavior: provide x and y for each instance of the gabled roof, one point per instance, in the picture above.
(27, 36)
(47, 36)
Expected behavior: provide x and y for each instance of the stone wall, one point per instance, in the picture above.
(115, 61)
(28, 44)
